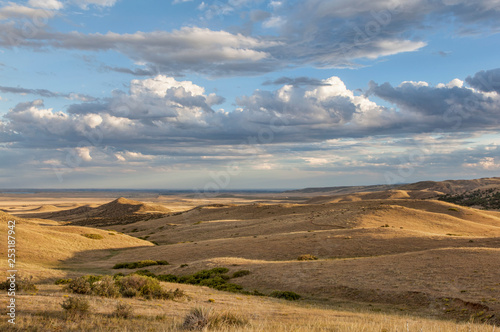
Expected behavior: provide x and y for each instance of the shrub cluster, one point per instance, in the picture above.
(215, 278)
(139, 264)
(76, 306)
(307, 257)
(487, 199)
(290, 296)
(133, 285)
(21, 284)
(93, 236)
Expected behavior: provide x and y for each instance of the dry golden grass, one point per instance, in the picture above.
(42, 245)
(414, 260)
(43, 312)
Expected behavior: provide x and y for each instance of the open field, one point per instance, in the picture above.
(393, 260)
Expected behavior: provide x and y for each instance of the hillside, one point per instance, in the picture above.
(374, 257)
(119, 211)
(434, 188)
(42, 245)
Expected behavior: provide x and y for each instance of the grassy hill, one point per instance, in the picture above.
(387, 260)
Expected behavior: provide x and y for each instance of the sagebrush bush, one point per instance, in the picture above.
(76, 306)
(139, 264)
(21, 284)
(63, 281)
(307, 257)
(93, 236)
(106, 287)
(148, 287)
(80, 285)
(123, 310)
(290, 296)
(240, 273)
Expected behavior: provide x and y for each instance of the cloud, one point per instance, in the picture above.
(180, 1)
(84, 154)
(85, 4)
(15, 11)
(159, 114)
(486, 163)
(188, 49)
(46, 4)
(47, 93)
(320, 33)
(298, 81)
(486, 81)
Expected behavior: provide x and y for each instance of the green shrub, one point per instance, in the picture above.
(139, 264)
(21, 284)
(76, 306)
(80, 285)
(290, 296)
(123, 310)
(240, 273)
(129, 292)
(106, 287)
(167, 277)
(219, 270)
(93, 236)
(307, 257)
(149, 288)
(63, 281)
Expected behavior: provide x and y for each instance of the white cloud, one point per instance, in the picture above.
(13, 11)
(487, 163)
(83, 154)
(180, 1)
(46, 4)
(274, 22)
(84, 4)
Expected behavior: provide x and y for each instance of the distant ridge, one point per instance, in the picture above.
(119, 211)
(444, 187)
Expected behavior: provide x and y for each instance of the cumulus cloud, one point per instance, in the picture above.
(486, 163)
(162, 112)
(445, 107)
(84, 154)
(487, 81)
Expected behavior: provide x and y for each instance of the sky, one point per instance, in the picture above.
(237, 94)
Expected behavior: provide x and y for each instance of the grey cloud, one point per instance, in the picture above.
(161, 111)
(450, 108)
(486, 81)
(259, 15)
(298, 81)
(135, 72)
(47, 93)
(315, 32)
(187, 49)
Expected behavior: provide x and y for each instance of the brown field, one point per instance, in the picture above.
(390, 260)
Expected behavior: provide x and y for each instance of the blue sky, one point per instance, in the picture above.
(238, 94)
